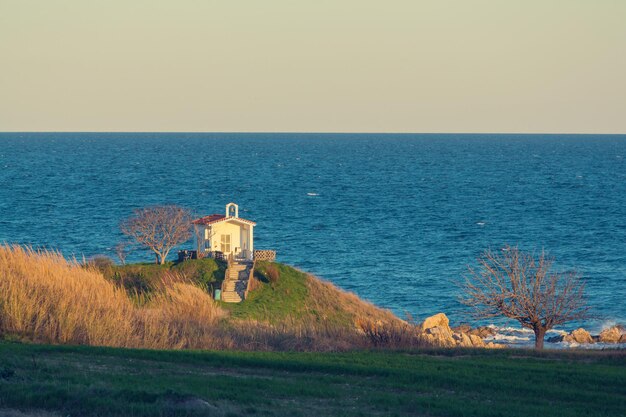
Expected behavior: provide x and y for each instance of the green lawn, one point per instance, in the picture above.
(88, 381)
(273, 302)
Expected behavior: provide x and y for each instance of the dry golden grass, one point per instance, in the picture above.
(381, 328)
(45, 298)
(326, 297)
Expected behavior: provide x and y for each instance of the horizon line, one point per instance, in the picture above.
(309, 132)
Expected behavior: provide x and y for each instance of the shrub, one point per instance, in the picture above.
(273, 274)
(390, 335)
(204, 272)
(101, 263)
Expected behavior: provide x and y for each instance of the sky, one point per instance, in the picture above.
(435, 66)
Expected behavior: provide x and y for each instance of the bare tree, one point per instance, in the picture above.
(159, 228)
(122, 250)
(520, 286)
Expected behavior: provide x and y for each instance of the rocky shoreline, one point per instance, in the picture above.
(612, 335)
(437, 331)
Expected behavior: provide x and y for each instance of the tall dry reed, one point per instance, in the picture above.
(45, 298)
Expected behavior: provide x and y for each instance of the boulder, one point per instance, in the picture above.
(437, 320)
(476, 341)
(463, 328)
(440, 336)
(623, 338)
(437, 331)
(581, 336)
(612, 334)
(492, 345)
(468, 340)
(555, 339)
(483, 331)
(461, 339)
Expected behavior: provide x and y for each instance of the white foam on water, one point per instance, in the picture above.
(509, 338)
(312, 194)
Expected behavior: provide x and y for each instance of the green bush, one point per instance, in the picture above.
(205, 272)
(102, 263)
(139, 279)
(273, 274)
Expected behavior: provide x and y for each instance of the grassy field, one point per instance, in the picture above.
(43, 380)
(46, 299)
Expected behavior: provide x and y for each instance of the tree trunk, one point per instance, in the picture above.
(157, 259)
(540, 333)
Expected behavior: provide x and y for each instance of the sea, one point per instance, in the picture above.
(395, 218)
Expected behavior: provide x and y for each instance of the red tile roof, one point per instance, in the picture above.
(209, 219)
(215, 218)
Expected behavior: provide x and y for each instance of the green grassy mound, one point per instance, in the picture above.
(40, 380)
(292, 296)
(273, 301)
(281, 295)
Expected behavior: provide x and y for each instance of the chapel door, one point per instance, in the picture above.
(244, 242)
(225, 244)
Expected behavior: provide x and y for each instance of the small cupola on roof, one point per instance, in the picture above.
(232, 210)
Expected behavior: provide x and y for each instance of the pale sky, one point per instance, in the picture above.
(313, 66)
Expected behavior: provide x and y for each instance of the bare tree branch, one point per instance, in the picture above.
(520, 286)
(159, 228)
(122, 250)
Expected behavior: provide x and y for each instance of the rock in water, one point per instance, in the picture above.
(611, 335)
(555, 339)
(581, 336)
(463, 328)
(483, 331)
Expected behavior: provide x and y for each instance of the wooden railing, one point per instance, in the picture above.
(250, 286)
(265, 255)
(228, 266)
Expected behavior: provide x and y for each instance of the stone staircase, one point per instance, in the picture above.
(235, 282)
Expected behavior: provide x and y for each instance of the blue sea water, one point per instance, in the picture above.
(393, 218)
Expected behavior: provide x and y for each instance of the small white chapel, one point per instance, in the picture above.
(226, 235)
